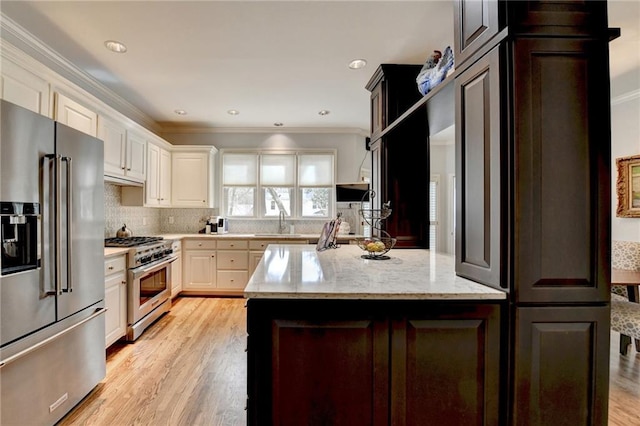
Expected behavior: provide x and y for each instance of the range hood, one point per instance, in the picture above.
(117, 180)
(352, 192)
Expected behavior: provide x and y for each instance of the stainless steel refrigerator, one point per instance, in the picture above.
(52, 335)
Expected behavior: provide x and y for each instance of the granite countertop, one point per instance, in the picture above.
(300, 272)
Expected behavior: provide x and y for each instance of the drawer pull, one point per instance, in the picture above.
(110, 268)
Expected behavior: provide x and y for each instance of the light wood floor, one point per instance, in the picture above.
(190, 369)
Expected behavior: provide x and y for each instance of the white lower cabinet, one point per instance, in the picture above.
(176, 269)
(233, 266)
(115, 298)
(199, 266)
(222, 266)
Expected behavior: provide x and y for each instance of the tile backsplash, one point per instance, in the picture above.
(152, 221)
(140, 220)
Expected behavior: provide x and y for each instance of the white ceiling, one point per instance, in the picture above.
(272, 61)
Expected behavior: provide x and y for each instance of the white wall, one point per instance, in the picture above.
(350, 147)
(625, 141)
(442, 163)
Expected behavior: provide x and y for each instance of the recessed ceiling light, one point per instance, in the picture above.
(278, 124)
(233, 112)
(115, 46)
(180, 112)
(357, 64)
(324, 112)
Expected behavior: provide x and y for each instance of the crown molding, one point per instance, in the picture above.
(169, 128)
(23, 40)
(626, 97)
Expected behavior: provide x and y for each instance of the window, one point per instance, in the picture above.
(239, 177)
(315, 180)
(263, 184)
(278, 180)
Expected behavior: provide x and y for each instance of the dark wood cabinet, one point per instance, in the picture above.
(393, 90)
(400, 157)
(561, 367)
(329, 371)
(533, 188)
(560, 171)
(479, 164)
(533, 166)
(446, 366)
(373, 362)
(475, 23)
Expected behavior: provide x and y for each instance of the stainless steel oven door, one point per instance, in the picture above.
(149, 286)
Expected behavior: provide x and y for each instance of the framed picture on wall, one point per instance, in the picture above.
(628, 186)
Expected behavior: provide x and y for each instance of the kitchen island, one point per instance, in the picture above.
(337, 339)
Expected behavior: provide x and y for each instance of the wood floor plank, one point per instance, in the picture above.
(189, 369)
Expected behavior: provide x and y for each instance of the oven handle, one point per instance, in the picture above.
(152, 267)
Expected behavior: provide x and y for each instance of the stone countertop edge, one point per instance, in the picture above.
(256, 236)
(300, 272)
(114, 251)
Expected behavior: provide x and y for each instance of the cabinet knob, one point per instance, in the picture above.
(231, 260)
(110, 268)
(199, 244)
(124, 282)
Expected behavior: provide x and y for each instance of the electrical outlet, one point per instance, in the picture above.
(170, 219)
(144, 221)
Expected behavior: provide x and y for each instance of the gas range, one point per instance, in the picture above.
(142, 250)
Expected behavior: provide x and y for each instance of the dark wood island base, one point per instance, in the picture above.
(372, 362)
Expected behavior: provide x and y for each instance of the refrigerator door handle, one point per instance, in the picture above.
(57, 192)
(54, 290)
(4, 362)
(69, 224)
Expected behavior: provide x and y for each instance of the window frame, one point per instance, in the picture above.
(259, 207)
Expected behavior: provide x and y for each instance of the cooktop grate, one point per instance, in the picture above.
(129, 241)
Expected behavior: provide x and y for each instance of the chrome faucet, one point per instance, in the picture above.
(281, 222)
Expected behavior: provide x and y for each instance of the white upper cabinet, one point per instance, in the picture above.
(165, 177)
(158, 185)
(23, 88)
(192, 177)
(114, 136)
(75, 115)
(124, 150)
(135, 157)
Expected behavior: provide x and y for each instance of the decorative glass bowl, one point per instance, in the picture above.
(376, 247)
